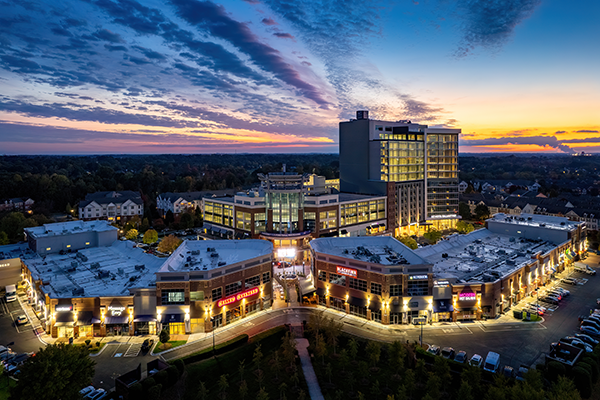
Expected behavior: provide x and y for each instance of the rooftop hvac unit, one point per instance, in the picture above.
(140, 267)
(103, 274)
(78, 292)
(73, 264)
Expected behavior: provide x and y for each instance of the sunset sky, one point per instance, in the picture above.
(186, 76)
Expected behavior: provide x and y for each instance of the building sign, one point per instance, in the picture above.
(237, 297)
(63, 308)
(467, 296)
(417, 277)
(346, 271)
(116, 311)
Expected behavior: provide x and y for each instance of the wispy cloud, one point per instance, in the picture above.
(544, 141)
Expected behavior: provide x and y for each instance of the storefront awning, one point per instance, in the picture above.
(320, 292)
(306, 287)
(86, 318)
(569, 256)
(355, 301)
(239, 235)
(444, 305)
(64, 319)
(116, 320)
(374, 305)
(343, 232)
(144, 318)
(172, 318)
(395, 308)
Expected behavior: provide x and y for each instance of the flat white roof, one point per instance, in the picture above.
(544, 221)
(383, 250)
(481, 256)
(94, 272)
(194, 255)
(69, 228)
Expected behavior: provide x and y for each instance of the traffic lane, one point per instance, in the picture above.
(108, 367)
(25, 340)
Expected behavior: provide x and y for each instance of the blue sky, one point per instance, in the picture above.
(185, 76)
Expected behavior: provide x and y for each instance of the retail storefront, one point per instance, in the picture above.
(442, 310)
(144, 325)
(465, 305)
(87, 324)
(174, 323)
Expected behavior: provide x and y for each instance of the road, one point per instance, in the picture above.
(517, 343)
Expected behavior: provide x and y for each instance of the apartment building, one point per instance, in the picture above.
(111, 206)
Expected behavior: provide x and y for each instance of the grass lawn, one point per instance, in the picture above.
(170, 345)
(4, 387)
(95, 349)
(274, 374)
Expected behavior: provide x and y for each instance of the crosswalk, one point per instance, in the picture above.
(133, 350)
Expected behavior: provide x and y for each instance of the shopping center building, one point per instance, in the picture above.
(464, 277)
(83, 282)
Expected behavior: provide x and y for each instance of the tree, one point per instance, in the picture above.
(464, 227)
(465, 392)
(374, 352)
(169, 218)
(132, 234)
(408, 242)
(328, 371)
(320, 348)
(150, 236)
(3, 238)
(164, 336)
(169, 244)
(57, 372)
(464, 210)
(145, 225)
(186, 221)
(563, 389)
(353, 348)
(275, 365)
(333, 331)
(243, 389)
(257, 357)
(242, 369)
(316, 321)
(433, 235)
(282, 390)
(344, 359)
(262, 394)
(202, 392)
(482, 212)
(223, 386)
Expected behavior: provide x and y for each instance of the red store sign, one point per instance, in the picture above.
(237, 297)
(346, 271)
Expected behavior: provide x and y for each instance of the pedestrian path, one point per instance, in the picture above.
(314, 390)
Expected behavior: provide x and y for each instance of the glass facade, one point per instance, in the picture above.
(285, 210)
(404, 159)
(218, 213)
(442, 174)
(354, 213)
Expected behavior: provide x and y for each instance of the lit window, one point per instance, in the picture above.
(48, 248)
(68, 246)
(87, 243)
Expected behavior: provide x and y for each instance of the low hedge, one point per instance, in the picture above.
(219, 349)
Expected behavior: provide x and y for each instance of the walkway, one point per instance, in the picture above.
(314, 390)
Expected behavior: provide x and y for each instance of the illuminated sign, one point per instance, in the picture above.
(416, 277)
(237, 297)
(4, 265)
(63, 308)
(346, 271)
(441, 283)
(467, 296)
(116, 310)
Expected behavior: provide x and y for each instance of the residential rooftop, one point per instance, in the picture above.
(205, 255)
(98, 271)
(481, 256)
(383, 250)
(536, 220)
(69, 228)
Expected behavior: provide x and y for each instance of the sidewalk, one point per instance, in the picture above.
(314, 390)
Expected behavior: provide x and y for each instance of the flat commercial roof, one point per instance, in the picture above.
(69, 228)
(384, 250)
(94, 272)
(481, 256)
(544, 221)
(343, 197)
(194, 255)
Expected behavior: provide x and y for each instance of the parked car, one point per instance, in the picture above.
(590, 331)
(594, 317)
(476, 360)
(539, 307)
(534, 310)
(577, 343)
(461, 357)
(520, 376)
(492, 362)
(590, 322)
(587, 339)
(554, 293)
(448, 353)
(569, 281)
(21, 319)
(147, 345)
(508, 371)
(550, 300)
(564, 291)
(433, 349)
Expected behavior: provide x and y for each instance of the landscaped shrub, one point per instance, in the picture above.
(161, 377)
(136, 391)
(172, 376)
(554, 370)
(594, 367)
(180, 366)
(219, 349)
(583, 381)
(147, 384)
(154, 392)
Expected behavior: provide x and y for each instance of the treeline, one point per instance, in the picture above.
(55, 182)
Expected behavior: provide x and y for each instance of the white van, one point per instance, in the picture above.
(11, 293)
(492, 361)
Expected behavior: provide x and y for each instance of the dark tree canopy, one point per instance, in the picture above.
(57, 372)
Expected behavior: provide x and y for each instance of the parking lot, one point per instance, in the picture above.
(23, 336)
(521, 342)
